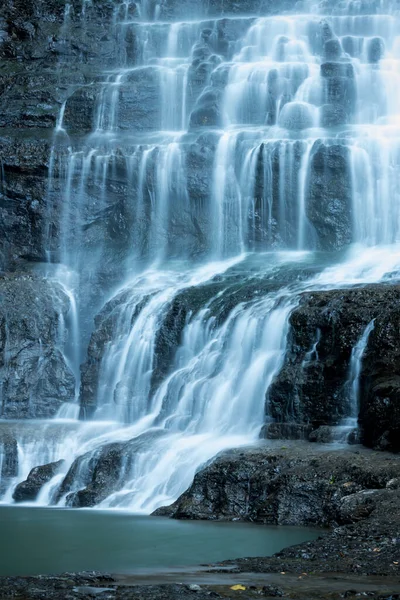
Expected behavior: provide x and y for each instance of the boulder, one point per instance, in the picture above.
(97, 474)
(207, 111)
(28, 490)
(297, 116)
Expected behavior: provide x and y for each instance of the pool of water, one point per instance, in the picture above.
(46, 540)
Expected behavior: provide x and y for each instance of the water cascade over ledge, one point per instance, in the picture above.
(230, 164)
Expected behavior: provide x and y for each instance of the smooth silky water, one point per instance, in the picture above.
(255, 233)
(49, 541)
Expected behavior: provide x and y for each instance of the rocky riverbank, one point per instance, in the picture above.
(355, 492)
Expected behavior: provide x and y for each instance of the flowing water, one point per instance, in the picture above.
(215, 145)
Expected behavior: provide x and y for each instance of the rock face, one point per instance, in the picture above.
(298, 485)
(47, 49)
(329, 197)
(380, 383)
(97, 474)
(314, 385)
(35, 377)
(8, 458)
(29, 489)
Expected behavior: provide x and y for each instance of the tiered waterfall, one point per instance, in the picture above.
(224, 164)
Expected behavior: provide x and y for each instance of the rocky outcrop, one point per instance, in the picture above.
(35, 378)
(8, 458)
(328, 206)
(296, 485)
(23, 173)
(97, 474)
(314, 387)
(28, 490)
(47, 50)
(380, 381)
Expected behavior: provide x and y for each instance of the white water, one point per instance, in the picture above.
(256, 172)
(355, 372)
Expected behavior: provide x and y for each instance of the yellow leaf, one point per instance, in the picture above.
(237, 587)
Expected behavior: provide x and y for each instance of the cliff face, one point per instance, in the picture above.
(47, 49)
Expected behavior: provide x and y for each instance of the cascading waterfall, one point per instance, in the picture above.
(355, 372)
(208, 163)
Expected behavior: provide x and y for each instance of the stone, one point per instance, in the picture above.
(332, 115)
(296, 116)
(36, 378)
(329, 197)
(293, 485)
(352, 45)
(79, 115)
(28, 490)
(332, 49)
(311, 389)
(97, 474)
(375, 49)
(8, 457)
(337, 69)
(356, 507)
(380, 383)
(207, 111)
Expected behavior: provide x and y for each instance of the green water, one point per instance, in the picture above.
(44, 541)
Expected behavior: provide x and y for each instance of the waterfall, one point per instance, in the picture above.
(230, 164)
(355, 372)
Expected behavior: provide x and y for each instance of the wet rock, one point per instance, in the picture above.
(36, 379)
(294, 485)
(105, 328)
(207, 111)
(47, 50)
(179, 9)
(352, 45)
(380, 383)
(311, 387)
(341, 91)
(286, 431)
(332, 115)
(337, 69)
(23, 208)
(79, 115)
(328, 198)
(375, 49)
(8, 458)
(139, 101)
(296, 116)
(332, 49)
(356, 507)
(95, 475)
(29, 489)
(329, 435)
